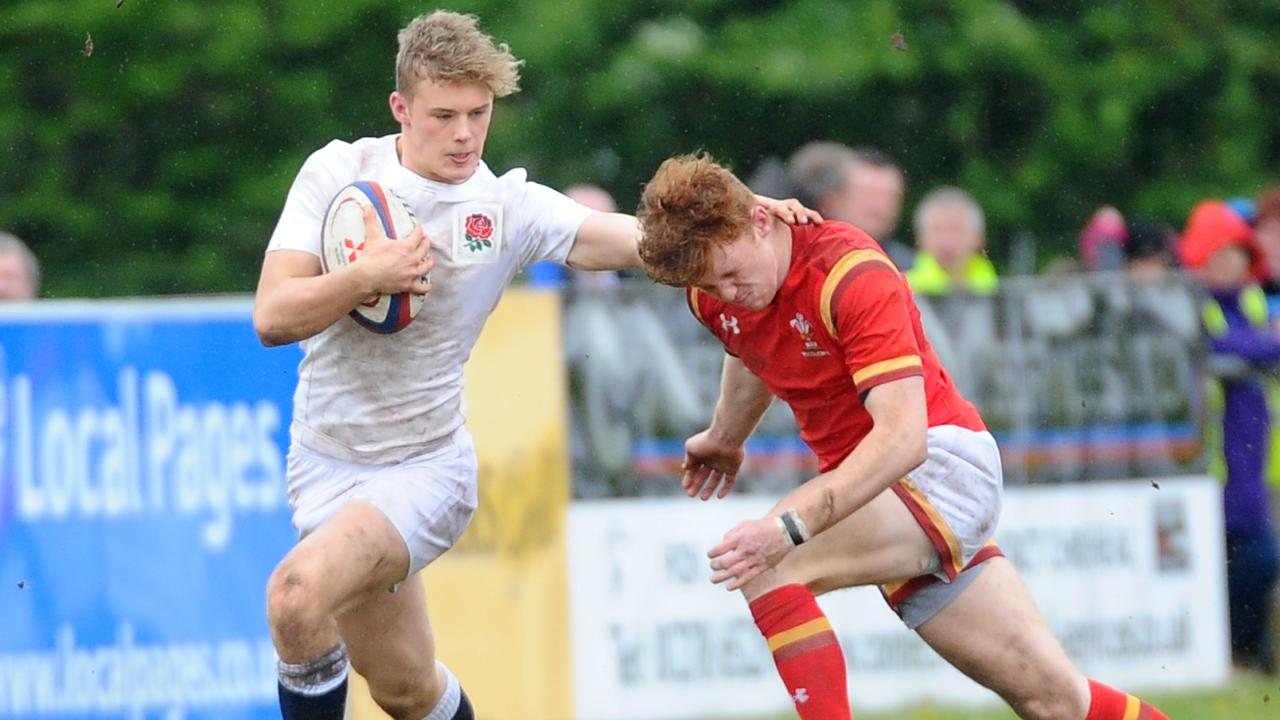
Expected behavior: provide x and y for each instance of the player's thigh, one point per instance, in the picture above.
(994, 633)
(350, 558)
(880, 542)
(389, 641)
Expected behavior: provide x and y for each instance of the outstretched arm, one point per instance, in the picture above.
(608, 241)
(713, 456)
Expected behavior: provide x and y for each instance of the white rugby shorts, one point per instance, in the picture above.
(956, 494)
(429, 498)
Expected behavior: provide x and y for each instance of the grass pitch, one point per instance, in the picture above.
(1249, 698)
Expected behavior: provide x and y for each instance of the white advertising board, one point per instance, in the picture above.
(1130, 576)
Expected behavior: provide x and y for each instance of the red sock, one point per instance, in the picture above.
(806, 651)
(1111, 704)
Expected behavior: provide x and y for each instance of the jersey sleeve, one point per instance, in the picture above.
(321, 177)
(547, 223)
(866, 307)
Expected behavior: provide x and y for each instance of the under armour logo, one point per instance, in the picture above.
(729, 324)
(801, 696)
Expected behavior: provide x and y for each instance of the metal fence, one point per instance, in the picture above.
(1079, 377)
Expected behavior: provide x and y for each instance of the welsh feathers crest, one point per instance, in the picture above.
(802, 326)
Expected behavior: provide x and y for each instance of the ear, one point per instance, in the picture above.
(399, 107)
(761, 220)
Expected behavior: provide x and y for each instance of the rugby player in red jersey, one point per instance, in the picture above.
(910, 485)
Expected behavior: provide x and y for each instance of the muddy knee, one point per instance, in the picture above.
(294, 612)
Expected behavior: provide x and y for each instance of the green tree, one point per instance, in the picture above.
(158, 163)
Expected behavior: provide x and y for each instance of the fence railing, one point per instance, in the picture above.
(1081, 377)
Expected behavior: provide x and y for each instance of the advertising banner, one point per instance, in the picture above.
(142, 508)
(1130, 577)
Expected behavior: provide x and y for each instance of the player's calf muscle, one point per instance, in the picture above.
(1049, 704)
(994, 633)
(408, 696)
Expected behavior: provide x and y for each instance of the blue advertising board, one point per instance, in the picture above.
(142, 509)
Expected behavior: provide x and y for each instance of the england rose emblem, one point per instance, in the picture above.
(478, 231)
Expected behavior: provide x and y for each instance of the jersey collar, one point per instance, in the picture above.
(479, 185)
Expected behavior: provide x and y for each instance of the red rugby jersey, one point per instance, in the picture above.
(843, 322)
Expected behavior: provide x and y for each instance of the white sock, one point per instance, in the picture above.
(318, 676)
(449, 701)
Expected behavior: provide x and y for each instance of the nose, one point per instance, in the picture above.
(462, 131)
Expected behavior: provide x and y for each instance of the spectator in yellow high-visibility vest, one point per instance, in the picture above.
(1267, 232)
(951, 241)
(1220, 248)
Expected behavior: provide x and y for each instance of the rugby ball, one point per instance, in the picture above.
(342, 242)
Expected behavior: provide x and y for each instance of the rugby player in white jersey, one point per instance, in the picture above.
(381, 470)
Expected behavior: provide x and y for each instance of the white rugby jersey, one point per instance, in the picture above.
(377, 399)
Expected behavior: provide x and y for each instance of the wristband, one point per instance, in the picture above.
(793, 528)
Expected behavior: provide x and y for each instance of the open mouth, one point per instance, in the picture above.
(460, 158)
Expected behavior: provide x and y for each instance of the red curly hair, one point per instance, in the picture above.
(691, 206)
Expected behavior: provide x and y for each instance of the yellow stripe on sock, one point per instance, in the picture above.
(799, 632)
(1132, 706)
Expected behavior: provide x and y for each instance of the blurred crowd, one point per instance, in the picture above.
(1232, 249)
(1229, 248)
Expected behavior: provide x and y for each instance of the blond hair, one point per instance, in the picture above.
(450, 47)
(690, 207)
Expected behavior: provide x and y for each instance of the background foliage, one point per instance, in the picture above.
(157, 163)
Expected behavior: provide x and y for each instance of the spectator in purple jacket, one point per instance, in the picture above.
(1220, 247)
